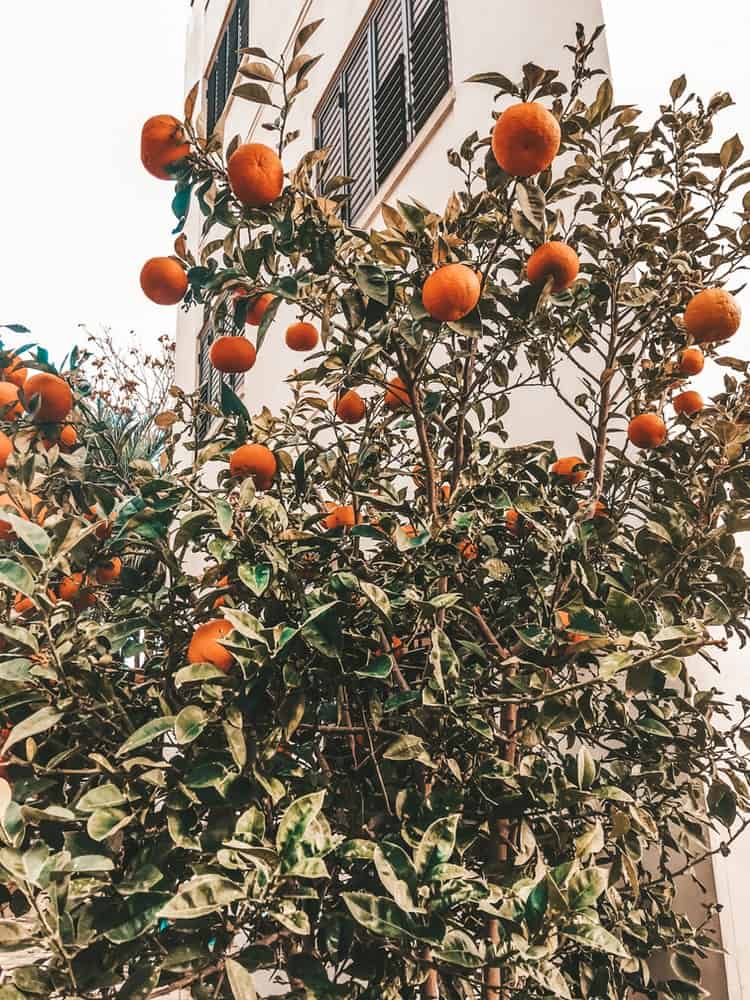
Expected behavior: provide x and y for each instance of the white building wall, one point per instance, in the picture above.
(485, 35)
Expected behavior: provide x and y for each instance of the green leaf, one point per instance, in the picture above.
(201, 895)
(189, 724)
(38, 722)
(379, 915)
(231, 403)
(224, 515)
(253, 92)
(626, 613)
(294, 825)
(586, 887)
(595, 937)
(105, 822)
(15, 576)
(13, 932)
(531, 200)
(240, 980)
(255, 578)
(722, 803)
(196, 672)
(437, 844)
(305, 33)
(373, 282)
(141, 983)
(377, 597)
(29, 532)
(397, 873)
(458, 948)
(246, 624)
(136, 917)
(146, 733)
(101, 797)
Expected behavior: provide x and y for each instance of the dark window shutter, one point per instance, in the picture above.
(430, 58)
(212, 115)
(233, 47)
(244, 27)
(221, 77)
(391, 135)
(358, 124)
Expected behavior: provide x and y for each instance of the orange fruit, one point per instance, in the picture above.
(55, 400)
(9, 398)
(256, 174)
(301, 337)
(468, 549)
(69, 436)
(257, 309)
(164, 281)
(163, 145)
(598, 509)
(513, 521)
(109, 571)
(22, 604)
(566, 469)
(451, 292)
(688, 403)
(712, 314)
(396, 394)
(254, 460)
(445, 490)
(554, 260)
(221, 600)
(14, 371)
(350, 407)
(204, 645)
(232, 354)
(647, 430)
(691, 361)
(339, 517)
(564, 620)
(526, 139)
(6, 447)
(70, 586)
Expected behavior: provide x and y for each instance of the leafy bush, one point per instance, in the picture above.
(458, 747)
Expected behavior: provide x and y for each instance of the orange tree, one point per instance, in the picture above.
(388, 706)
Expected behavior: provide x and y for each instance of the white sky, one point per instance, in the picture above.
(79, 215)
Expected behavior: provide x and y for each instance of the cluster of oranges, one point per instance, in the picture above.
(46, 396)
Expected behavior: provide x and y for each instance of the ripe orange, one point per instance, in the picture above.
(526, 139)
(254, 460)
(55, 400)
(339, 517)
(451, 292)
(163, 145)
(688, 403)
(513, 521)
(221, 600)
(70, 586)
(9, 398)
(350, 407)
(6, 447)
(232, 354)
(68, 436)
(554, 260)
(204, 645)
(647, 430)
(564, 620)
(712, 314)
(22, 604)
(691, 361)
(301, 336)
(164, 281)
(14, 371)
(257, 308)
(597, 509)
(566, 469)
(468, 549)
(397, 395)
(256, 174)
(109, 571)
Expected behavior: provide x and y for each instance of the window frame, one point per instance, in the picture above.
(337, 86)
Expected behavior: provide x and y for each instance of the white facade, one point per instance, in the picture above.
(485, 35)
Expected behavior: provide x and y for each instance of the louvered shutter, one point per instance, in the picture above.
(331, 134)
(429, 58)
(221, 77)
(391, 135)
(244, 23)
(233, 47)
(212, 115)
(358, 125)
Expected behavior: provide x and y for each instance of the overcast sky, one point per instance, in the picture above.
(79, 215)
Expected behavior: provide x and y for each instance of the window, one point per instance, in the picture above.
(209, 380)
(221, 74)
(398, 71)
